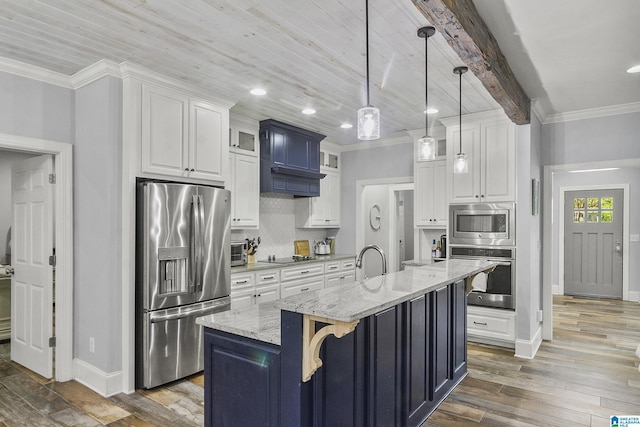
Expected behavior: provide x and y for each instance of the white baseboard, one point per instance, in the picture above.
(634, 296)
(528, 349)
(97, 380)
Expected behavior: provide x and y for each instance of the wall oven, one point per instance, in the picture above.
(482, 224)
(499, 289)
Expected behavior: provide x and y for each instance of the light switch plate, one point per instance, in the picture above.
(634, 237)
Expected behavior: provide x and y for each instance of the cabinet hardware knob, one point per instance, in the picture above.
(192, 170)
(476, 196)
(186, 169)
(482, 195)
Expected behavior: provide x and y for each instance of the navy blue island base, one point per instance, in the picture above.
(394, 369)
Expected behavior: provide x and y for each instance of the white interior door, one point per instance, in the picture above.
(32, 283)
(593, 243)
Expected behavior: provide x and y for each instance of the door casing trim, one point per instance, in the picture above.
(63, 213)
(625, 232)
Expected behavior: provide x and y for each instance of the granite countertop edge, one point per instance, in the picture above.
(262, 322)
(313, 303)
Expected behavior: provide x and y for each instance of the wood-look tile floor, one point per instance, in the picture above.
(586, 374)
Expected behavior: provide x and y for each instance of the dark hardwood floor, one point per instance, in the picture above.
(586, 374)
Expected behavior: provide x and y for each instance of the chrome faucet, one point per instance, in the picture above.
(376, 248)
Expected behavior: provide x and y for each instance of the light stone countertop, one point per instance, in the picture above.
(259, 265)
(345, 303)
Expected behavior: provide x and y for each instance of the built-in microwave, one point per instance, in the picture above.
(239, 253)
(482, 224)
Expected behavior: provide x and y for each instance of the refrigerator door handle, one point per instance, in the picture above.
(200, 310)
(200, 284)
(194, 232)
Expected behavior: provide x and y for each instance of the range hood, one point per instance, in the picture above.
(289, 159)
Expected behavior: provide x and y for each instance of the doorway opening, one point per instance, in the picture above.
(63, 232)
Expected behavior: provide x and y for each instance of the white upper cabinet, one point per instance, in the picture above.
(430, 194)
(322, 211)
(244, 178)
(243, 141)
(490, 149)
(182, 136)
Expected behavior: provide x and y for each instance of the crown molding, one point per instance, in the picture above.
(36, 73)
(592, 113)
(95, 72)
(129, 70)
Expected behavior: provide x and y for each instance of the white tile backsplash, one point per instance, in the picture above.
(278, 227)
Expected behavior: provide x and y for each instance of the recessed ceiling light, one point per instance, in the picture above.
(308, 111)
(634, 69)
(346, 126)
(258, 92)
(431, 110)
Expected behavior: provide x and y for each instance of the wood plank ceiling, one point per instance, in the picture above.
(305, 54)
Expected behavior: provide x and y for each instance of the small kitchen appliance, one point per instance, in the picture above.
(239, 256)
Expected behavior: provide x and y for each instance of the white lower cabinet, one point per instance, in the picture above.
(242, 290)
(308, 277)
(490, 325)
(339, 272)
(248, 289)
(295, 287)
(267, 286)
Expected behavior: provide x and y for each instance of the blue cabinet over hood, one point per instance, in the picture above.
(289, 159)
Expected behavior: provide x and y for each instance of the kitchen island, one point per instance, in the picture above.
(383, 351)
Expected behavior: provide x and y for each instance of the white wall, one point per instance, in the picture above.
(386, 161)
(6, 160)
(375, 195)
(608, 138)
(97, 224)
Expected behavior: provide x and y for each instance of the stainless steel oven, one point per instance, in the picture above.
(482, 224)
(500, 283)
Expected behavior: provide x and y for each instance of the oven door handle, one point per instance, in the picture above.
(500, 262)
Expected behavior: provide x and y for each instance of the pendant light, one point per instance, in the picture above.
(368, 116)
(460, 164)
(426, 144)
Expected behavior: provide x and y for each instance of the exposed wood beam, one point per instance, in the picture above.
(465, 31)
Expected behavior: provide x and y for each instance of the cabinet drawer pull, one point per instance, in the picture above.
(268, 277)
(333, 267)
(240, 282)
(480, 323)
(304, 272)
(304, 289)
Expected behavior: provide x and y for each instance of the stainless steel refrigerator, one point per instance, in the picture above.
(183, 271)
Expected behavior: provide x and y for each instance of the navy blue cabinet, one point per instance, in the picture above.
(289, 159)
(242, 381)
(393, 370)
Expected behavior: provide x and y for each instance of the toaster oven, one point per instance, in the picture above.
(239, 253)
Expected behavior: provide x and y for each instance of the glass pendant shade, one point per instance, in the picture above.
(368, 123)
(460, 165)
(427, 148)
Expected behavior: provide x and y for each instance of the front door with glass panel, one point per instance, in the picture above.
(593, 243)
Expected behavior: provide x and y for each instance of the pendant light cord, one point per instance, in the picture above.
(426, 87)
(460, 115)
(366, 14)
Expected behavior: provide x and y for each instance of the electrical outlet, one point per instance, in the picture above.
(539, 315)
(92, 345)
(634, 237)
